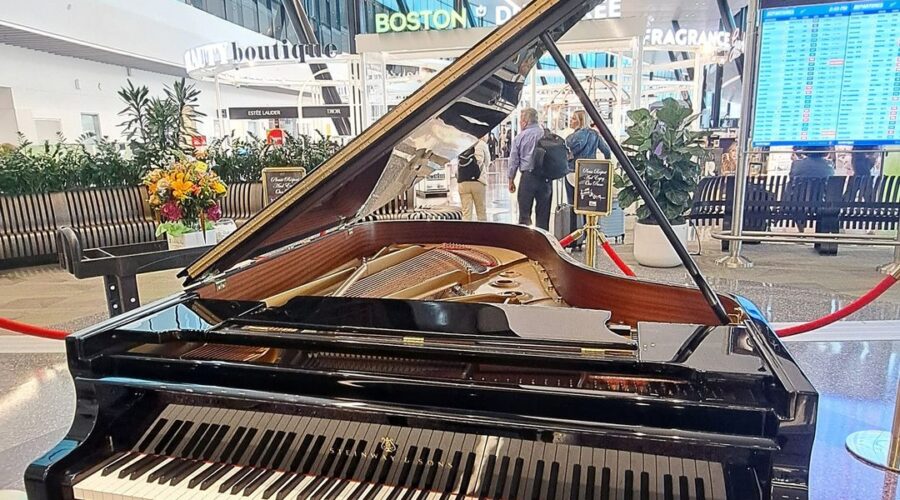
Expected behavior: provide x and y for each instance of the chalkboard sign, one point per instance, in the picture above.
(593, 187)
(278, 180)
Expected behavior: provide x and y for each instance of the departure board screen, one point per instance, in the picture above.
(829, 74)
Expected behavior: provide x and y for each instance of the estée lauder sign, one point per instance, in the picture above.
(225, 53)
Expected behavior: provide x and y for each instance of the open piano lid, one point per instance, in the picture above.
(439, 121)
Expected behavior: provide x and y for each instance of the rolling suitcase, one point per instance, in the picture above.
(562, 215)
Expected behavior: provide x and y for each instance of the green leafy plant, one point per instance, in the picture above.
(243, 159)
(667, 155)
(179, 228)
(159, 127)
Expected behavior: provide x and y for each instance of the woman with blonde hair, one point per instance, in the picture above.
(583, 144)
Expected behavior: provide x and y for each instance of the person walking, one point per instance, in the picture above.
(534, 193)
(471, 177)
(583, 143)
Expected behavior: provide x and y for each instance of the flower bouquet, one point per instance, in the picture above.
(185, 199)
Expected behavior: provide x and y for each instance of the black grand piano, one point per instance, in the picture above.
(315, 356)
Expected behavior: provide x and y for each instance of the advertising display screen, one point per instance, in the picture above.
(829, 74)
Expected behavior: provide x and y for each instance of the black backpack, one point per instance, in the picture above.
(551, 157)
(469, 169)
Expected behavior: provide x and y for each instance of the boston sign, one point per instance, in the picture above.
(446, 19)
(230, 53)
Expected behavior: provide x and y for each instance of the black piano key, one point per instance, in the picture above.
(203, 442)
(575, 489)
(590, 489)
(233, 444)
(573, 458)
(349, 471)
(274, 447)
(119, 462)
(701, 488)
(428, 482)
(689, 472)
(454, 473)
(162, 471)
(238, 474)
(605, 474)
(331, 433)
(177, 439)
(562, 473)
(450, 446)
(371, 465)
(650, 470)
(277, 485)
(312, 454)
(515, 480)
(194, 440)
(154, 431)
(241, 449)
(216, 475)
(259, 449)
(537, 480)
(645, 486)
(466, 475)
(259, 481)
(399, 479)
(278, 459)
(205, 452)
(419, 470)
(127, 471)
(146, 466)
(553, 482)
(203, 475)
(487, 474)
(628, 485)
(684, 491)
(167, 437)
(703, 476)
(185, 472)
(245, 481)
(537, 453)
(334, 474)
(301, 452)
(668, 490)
(286, 490)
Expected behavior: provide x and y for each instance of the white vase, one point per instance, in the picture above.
(189, 240)
(652, 249)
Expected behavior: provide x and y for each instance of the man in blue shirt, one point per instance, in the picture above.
(534, 193)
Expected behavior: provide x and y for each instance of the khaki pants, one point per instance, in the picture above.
(472, 193)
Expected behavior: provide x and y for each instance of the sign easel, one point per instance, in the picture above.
(593, 199)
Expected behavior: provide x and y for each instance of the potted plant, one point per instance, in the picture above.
(667, 155)
(185, 199)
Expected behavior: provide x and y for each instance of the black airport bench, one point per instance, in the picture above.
(822, 205)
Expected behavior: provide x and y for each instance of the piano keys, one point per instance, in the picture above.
(199, 452)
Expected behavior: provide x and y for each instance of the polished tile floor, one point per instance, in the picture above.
(856, 381)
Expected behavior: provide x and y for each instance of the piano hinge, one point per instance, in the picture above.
(221, 283)
(414, 340)
(593, 352)
(738, 317)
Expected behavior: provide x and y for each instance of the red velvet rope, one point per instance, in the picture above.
(35, 331)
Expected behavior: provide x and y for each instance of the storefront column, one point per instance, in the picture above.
(222, 129)
(638, 68)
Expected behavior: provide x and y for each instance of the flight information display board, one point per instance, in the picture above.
(829, 74)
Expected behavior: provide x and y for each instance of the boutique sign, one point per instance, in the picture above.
(481, 13)
(232, 53)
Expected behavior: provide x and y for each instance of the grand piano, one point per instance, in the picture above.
(315, 356)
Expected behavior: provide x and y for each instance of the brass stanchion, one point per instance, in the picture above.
(879, 448)
(592, 239)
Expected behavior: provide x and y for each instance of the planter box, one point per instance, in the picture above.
(189, 240)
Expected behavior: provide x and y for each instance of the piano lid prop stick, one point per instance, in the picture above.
(714, 303)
